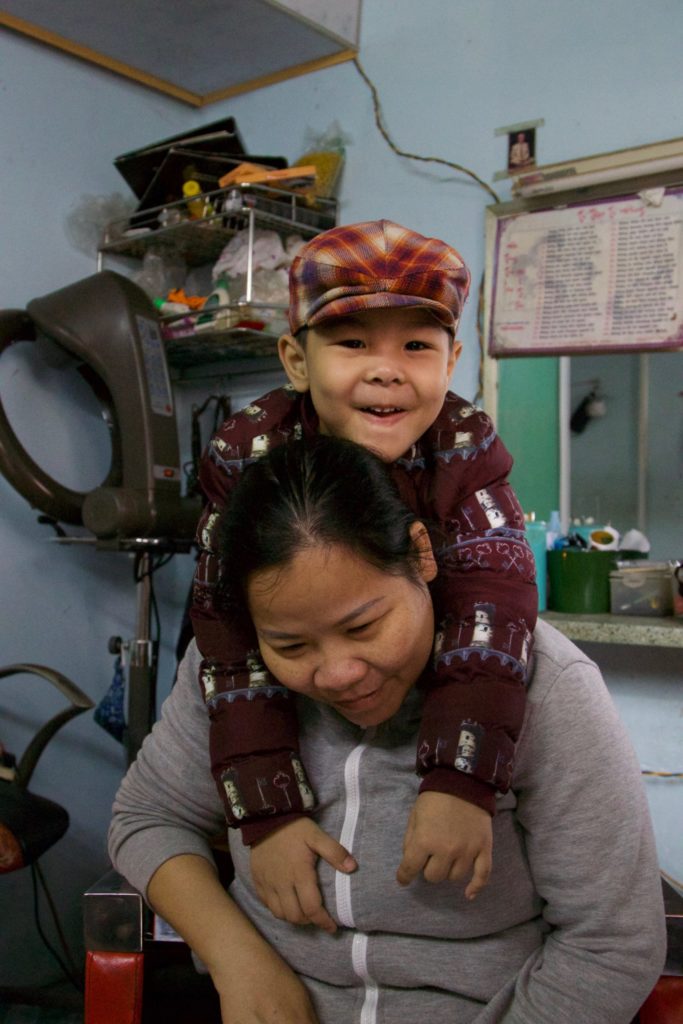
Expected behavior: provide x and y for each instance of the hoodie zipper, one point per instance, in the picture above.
(359, 947)
(348, 832)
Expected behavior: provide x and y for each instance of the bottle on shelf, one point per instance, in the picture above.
(166, 308)
(197, 205)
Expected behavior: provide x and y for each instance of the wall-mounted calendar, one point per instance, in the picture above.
(589, 276)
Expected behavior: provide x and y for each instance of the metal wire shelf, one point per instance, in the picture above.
(225, 333)
(201, 240)
(228, 334)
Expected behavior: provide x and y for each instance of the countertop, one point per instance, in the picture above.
(648, 631)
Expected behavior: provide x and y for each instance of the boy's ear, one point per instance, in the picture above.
(424, 550)
(293, 357)
(453, 356)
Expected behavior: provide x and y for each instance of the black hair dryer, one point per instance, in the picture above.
(110, 326)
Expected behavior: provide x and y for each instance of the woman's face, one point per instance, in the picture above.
(337, 629)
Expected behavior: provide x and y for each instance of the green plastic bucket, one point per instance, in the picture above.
(579, 580)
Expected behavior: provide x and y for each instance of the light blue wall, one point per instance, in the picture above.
(63, 122)
(449, 72)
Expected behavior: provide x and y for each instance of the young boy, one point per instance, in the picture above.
(374, 309)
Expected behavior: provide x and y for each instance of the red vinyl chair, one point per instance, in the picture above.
(119, 944)
(115, 920)
(664, 1005)
(136, 970)
(113, 987)
(31, 824)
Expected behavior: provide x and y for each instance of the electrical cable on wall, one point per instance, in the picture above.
(221, 411)
(379, 121)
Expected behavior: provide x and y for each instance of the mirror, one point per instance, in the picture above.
(626, 445)
(624, 467)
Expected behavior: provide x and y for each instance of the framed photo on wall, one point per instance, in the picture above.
(521, 150)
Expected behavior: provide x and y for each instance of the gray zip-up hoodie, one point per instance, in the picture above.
(570, 928)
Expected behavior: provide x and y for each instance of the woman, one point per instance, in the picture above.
(335, 575)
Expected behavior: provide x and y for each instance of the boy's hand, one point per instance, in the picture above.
(284, 875)
(447, 837)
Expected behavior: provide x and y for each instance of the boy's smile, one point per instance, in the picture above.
(378, 377)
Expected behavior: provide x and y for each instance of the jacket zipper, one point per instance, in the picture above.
(359, 959)
(359, 947)
(348, 832)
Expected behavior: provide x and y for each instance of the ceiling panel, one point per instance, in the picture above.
(198, 52)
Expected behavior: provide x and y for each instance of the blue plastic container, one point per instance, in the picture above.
(536, 533)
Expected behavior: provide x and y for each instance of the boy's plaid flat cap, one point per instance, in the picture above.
(374, 265)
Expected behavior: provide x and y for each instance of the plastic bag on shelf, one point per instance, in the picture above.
(160, 273)
(268, 253)
(87, 220)
(267, 286)
(292, 245)
(325, 151)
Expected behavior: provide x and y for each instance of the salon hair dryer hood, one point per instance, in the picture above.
(110, 326)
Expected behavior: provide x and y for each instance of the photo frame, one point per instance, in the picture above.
(521, 150)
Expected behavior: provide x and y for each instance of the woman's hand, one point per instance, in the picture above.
(446, 838)
(258, 987)
(284, 875)
(254, 983)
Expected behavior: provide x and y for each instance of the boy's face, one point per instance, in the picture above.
(378, 378)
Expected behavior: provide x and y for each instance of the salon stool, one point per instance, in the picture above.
(132, 977)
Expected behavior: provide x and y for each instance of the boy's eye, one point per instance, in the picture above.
(417, 346)
(350, 343)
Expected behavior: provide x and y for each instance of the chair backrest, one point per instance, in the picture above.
(30, 824)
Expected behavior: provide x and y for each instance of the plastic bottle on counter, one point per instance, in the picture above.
(536, 532)
(581, 527)
(554, 530)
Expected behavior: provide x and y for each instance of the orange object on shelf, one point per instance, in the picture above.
(256, 174)
(193, 301)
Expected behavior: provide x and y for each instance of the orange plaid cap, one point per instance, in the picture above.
(374, 265)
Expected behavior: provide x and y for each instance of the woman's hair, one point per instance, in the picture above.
(322, 491)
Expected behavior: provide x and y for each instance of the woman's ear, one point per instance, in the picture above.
(424, 550)
(293, 357)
